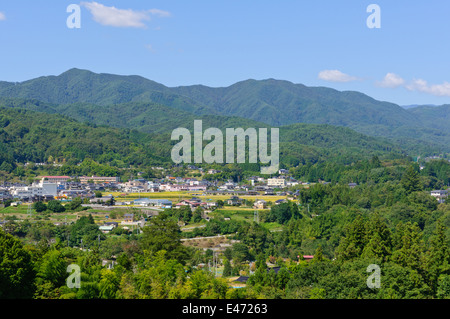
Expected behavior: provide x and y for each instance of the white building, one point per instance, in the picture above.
(98, 179)
(161, 203)
(441, 195)
(276, 182)
(37, 190)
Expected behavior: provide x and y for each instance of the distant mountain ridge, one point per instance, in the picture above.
(81, 86)
(136, 102)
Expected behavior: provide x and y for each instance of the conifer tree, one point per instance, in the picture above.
(318, 255)
(379, 239)
(409, 246)
(438, 255)
(352, 245)
(411, 180)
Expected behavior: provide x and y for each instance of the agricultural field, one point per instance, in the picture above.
(178, 196)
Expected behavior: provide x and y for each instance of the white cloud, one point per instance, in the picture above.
(434, 89)
(160, 13)
(391, 80)
(336, 76)
(2, 16)
(126, 18)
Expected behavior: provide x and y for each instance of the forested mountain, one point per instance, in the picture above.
(434, 116)
(147, 117)
(270, 101)
(80, 86)
(138, 103)
(281, 102)
(30, 136)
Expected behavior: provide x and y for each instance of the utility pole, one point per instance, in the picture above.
(215, 263)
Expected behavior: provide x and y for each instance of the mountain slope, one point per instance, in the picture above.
(29, 136)
(270, 101)
(281, 102)
(81, 86)
(135, 102)
(433, 116)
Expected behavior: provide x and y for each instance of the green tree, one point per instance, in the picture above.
(159, 276)
(39, 207)
(411, 180)
(85, 232)
(124, 261)
(443, 288)
(227, 269)
(197, 215)
(318, 255)
(55, 206)
(74, 204)
(352, 245)
(53, 268)
(220, 203)
(240, 253)
(379, 239)
(409, 246)
(438, 255)
(109, 284)
(163, 233)
(16, 269)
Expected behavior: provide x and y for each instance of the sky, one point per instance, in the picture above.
(396, 51)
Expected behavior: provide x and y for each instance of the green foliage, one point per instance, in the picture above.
(283, 212)
(85, 232)
(51, 275)
(39, 207)
(74, 204)
(55, 206)
(163, 233)
(411, 180)
(16, 269)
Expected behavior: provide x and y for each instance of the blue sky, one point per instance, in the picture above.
(218, 43)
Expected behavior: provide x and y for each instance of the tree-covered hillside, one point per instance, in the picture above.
(145, 104)
(28, 136)
(36, 137)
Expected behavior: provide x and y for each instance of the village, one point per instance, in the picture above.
(129, 205)
(65, 188)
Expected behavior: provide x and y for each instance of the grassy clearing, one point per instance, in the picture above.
(234, 214)
(273, 227)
